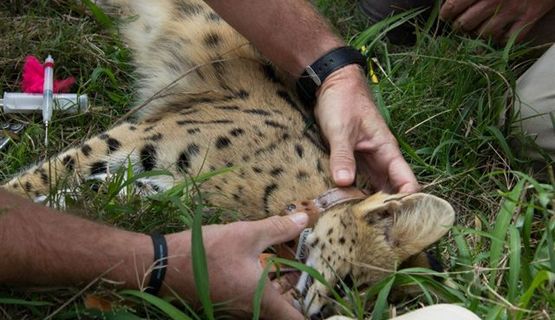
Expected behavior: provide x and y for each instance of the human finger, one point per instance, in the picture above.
(401, 176)
(292, 296)
(451, 9)
(521, 27)
(342, 161)
(277, 229)
(495, 27)
(474, 16)
(390, 172)
(377, 175)
(274, 306)
(286, 281)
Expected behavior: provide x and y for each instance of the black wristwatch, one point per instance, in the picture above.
(315, 74)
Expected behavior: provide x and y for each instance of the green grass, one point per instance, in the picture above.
(444, 98)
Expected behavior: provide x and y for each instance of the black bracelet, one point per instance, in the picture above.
(315, 74)
(160, 263)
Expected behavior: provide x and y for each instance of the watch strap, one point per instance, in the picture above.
(160, 264)
(315, 74)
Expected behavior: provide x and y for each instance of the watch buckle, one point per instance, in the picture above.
(312, 74)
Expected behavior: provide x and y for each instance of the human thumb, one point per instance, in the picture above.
(279, 229)
(342, 161)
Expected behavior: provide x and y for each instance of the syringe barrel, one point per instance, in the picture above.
(18, 102)
(48, 90)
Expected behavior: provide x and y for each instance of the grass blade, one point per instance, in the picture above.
(311, 272)
(377, 31)
(514, 262)
(22, 302)
(200, 266)
(527, 255)
(380, 103)
(381, 301)
(258, 294)
(464, 257)
(414, 156)
(502, 222)
(550, 225)
(495, 313)
(540, 278)
(99, 15)
(166, 307)
(501, 141)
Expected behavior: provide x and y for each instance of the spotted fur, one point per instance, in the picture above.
(214, 103)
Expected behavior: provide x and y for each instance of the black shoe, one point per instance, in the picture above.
(377, 10)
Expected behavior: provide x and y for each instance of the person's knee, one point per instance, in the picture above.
(535, 105)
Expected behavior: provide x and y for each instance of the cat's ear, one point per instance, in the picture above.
(414, 221)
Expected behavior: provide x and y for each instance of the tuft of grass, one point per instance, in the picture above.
(444, 99)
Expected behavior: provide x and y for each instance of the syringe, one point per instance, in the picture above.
(48, 92)
(19, 102)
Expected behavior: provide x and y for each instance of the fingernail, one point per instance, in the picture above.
(300, 218)
(343, 174)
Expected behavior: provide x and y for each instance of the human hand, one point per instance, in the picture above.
(234, 269)
(496, 18)
(351, 122)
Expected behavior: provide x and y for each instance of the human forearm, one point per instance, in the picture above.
(288, 32)
(293, 35)
(40, 246)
